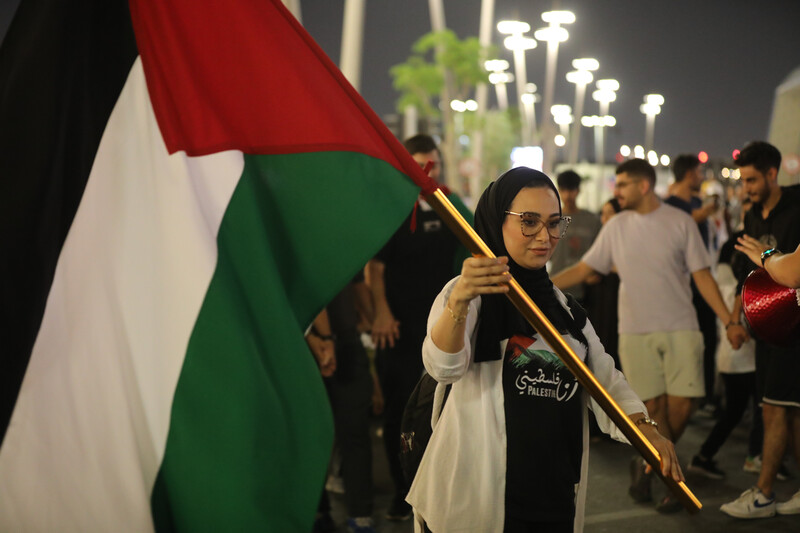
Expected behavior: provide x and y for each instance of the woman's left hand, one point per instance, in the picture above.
(670, 466)
(751, 247)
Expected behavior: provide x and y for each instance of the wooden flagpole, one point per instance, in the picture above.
(469, 238)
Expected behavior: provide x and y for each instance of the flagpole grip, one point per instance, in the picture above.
(469, 238)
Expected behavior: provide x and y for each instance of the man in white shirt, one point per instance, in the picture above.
(656, 249)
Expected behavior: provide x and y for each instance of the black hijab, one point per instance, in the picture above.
(499, 319)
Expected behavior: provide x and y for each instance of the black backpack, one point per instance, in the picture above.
(415, 428)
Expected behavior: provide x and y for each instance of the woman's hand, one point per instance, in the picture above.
(670, 466)
(479, 275)
(752, 248)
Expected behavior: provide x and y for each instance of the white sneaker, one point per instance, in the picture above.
(790, 506)
(751, 504)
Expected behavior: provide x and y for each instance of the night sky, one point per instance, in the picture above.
(716, 62)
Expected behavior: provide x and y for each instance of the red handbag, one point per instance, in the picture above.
(771, 310)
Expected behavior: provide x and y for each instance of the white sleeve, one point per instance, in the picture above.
(442, 366)
(697, 255)
(602, 366)
(599, 256)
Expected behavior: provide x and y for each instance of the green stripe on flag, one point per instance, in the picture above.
(250, 429)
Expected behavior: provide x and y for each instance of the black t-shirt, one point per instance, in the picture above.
(343, 318)
(781, 230)
(544, 429)
(417, 265)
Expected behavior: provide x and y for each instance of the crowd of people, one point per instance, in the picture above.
(647, 293)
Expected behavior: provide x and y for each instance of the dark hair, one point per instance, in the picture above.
(420, 144)
(638, 168)
(761, 155)
(683, 164)
(569, 180)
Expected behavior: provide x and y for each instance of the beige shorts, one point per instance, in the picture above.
(660, 363)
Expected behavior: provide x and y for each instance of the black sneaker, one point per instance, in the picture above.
(640, 481)
(399, 511)
(783, 473)
(705, 467)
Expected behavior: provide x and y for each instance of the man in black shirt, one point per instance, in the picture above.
(405, 277)
(774, 220)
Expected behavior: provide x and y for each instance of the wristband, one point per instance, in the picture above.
(732, 323)
(766, 253)
(647, 420)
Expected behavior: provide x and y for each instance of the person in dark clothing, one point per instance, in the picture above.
(405, 277)
(602, 295)
(688, 179)
(336, 343)
(774, 220)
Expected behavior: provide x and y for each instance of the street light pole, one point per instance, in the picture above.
(518, 43)
(605, 94)
(651, 107)
(581, 77)
(482, 97)
(499, 77)
(562, 116)
(352, 39)
(553, 34)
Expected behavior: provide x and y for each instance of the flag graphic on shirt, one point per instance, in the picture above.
(185, 185)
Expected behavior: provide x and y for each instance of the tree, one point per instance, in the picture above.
(441, 65)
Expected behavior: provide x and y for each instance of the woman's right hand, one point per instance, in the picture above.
(480, 275)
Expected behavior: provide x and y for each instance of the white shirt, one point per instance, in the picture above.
(655, 254)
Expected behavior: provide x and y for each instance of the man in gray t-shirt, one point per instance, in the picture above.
(581, 233)
(656, 249)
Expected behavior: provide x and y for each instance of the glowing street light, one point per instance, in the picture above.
(553, 35)
(529, 99)
(562, 115)
(581, 77)
(650, 108)
(518, 44)
(499, 77)
(605, 94)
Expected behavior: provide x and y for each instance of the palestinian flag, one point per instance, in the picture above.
(185, 184)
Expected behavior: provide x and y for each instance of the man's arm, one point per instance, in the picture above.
(385, 329)
(569, 277)
(710, 292)
(364, 307)
(701, 214)
(320, 341)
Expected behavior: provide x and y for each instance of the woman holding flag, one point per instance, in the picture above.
(509, 450)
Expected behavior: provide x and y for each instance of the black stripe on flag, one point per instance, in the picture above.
(62, 68)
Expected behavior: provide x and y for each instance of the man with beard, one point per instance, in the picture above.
(655, 247)
(774, 220)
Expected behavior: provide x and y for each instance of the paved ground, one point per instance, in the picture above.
(610, 509)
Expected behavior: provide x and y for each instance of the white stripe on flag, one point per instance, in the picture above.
(89, 428)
